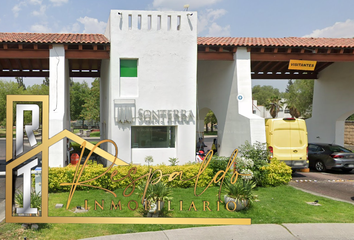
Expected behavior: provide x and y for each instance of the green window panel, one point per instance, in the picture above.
(153, 137)
(128, 67)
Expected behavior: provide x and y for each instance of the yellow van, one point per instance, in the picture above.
(287, 141)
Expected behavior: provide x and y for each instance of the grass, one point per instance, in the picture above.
(276, 205)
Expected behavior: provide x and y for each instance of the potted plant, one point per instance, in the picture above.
(156, 195)
(240, 193)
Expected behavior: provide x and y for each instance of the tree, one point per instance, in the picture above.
(210, 118)
(20, 82)
(263, 93)
(273, 105)
(7, 88)
(35, 90)
(91, 108)
(46, 81)
(299, 98)
(79, 93)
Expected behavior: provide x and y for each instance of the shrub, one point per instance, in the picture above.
(173, 161)
(258, 153)
(92, 170)
(276, 173)
(217, 163)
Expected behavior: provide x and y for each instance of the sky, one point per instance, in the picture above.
(217, 18)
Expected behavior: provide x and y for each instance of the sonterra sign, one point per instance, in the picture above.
(151, 177)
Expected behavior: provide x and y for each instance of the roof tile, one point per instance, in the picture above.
(277, 42)
(53, 38)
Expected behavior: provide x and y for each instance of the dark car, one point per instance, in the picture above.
(324, 156)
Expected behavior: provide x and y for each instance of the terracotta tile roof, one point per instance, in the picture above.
(277, 42)
(53, 38)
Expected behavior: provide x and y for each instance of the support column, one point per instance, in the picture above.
(240, 123)
(59, 103)
(331, 104)
(226, 88)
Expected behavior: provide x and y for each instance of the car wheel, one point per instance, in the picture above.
(319, 166)
(346, 170)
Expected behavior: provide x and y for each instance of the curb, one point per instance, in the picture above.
(324, 180)
(2, 210)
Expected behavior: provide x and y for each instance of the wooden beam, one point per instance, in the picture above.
(23, 74)
(85, 74)
(86, 54)
(21, 54)
(284, 76)
(19, 64)
(5, 46)
(275, 66)
(20, 46)
(256, 67)
(225, 56)
(320, 57)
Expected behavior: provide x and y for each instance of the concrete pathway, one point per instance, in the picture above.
(309, 231)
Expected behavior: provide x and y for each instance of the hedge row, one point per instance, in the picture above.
(93, 170)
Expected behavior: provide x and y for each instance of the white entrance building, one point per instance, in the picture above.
(159, 80)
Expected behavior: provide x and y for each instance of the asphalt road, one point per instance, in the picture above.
(334, 184)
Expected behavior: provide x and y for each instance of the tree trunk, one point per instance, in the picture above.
(206, 128)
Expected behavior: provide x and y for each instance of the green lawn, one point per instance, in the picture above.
(276, 205)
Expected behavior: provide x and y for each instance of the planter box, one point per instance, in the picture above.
(240, 204)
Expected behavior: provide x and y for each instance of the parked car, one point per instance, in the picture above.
(324, 156)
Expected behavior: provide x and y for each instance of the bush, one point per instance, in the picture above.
(276, 173)
(258, 153)
(77, 149)
(92, 170)
(217, 163)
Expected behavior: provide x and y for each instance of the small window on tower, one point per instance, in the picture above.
(128, 67)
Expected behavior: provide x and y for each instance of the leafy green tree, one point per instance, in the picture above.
(263, 93)
(79, 93)
(299, 98)
(20, 82)
(91, 108)
(46, 81)
(7, 88)
(210, 118)
(35, 90)
(273, 105)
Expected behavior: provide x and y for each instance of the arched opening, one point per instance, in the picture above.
(207, 127)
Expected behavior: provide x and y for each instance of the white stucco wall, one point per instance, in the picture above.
(167, 59)
(332, 103)
(59, 112)
(219, 85)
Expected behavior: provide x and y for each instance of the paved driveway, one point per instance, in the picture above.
(334, 184)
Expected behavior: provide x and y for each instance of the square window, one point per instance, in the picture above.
(128, 67)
